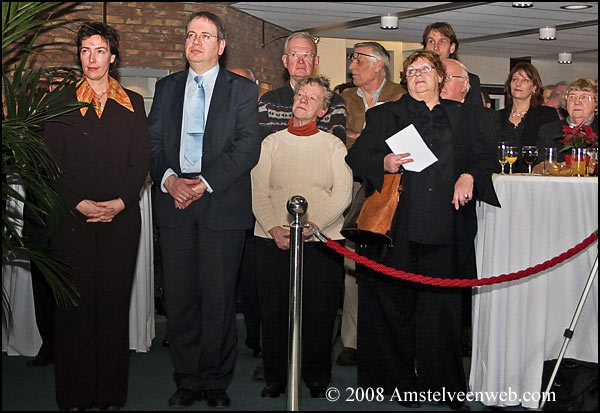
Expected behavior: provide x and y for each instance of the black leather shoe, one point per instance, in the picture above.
(184, 398)
(217, 398)
(347, 357)
(317, 391)
(272, 391)
(165, 341)
(39, 361)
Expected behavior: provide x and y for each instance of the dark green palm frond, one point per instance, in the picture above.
(32, 96)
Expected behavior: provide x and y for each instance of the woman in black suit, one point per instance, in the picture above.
(523, 113)
(103, 151)
(409, 334)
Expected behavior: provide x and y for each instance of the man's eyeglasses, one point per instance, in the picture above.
(581, 98)
(356, 56)
(205, 37)
(423, 69)
(449, 77)
(301, 55)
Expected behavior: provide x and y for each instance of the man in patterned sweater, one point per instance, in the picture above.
(275, 107)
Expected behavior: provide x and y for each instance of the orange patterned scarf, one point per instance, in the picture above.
(85, 93)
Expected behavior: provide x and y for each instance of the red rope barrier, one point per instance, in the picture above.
(446, 282)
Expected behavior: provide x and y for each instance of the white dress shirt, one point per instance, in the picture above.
(209, 80)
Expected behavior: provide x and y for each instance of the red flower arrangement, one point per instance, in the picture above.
(578, 137)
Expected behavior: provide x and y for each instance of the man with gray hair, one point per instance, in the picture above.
(275, 107)
(370, 69)
(456, 85)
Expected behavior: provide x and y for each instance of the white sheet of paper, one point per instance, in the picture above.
(408, 140)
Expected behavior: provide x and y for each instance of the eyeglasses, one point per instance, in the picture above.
(301, 55)
(205, 37)
(356, 56)
(449, 77)
(581, 98)
(423, 69)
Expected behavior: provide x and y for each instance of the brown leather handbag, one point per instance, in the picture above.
(369, 219)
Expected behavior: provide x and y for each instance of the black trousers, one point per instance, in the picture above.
(200, 272)
(409, 334)
(92, 340)
(249, 292)
(323, 283)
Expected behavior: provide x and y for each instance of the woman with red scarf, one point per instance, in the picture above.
(300, 160)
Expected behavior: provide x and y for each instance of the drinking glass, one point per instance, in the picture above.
(502, 155)
(512, 153)
(530, 154)
(550, 161)
(578, 163)
(592, 167)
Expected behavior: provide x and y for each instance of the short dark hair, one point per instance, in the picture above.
(213, 18)
(445, 29)
(108, 34)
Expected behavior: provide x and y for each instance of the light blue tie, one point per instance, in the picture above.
(195, 122)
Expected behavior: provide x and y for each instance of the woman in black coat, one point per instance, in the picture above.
(103, 152)
(409, 334)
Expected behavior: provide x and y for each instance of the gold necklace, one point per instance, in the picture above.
(518, 114)
(98, 103)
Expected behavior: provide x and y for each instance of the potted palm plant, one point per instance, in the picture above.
(30, 97)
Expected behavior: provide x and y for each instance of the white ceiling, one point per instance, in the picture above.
(469, 23)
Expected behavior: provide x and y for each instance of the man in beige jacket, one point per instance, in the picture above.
(370, 69)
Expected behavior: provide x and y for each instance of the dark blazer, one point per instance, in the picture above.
(93, 166)
(231, 148)
(474, 95)
(472, 155)
(549, 136)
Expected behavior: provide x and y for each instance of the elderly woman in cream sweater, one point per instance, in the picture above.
(300, 160)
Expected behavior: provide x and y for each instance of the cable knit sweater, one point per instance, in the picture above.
(311, 166)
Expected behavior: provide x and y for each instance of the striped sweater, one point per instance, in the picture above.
(275, 110)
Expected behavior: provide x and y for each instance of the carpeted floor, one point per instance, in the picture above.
(150, 384)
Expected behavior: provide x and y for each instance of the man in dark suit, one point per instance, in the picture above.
(204, 141)
(456, 87)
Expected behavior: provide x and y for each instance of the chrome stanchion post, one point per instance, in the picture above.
(569, 331)
(297, 207)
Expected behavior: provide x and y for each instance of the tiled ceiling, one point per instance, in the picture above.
(505, 27)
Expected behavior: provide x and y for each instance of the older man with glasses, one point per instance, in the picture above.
(275, 107)
(370, 67)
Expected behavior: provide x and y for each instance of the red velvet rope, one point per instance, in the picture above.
(445, 282)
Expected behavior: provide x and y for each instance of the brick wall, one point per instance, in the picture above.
(151, 37)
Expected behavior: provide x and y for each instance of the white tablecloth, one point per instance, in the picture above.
(23, 338)
(518, 325)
